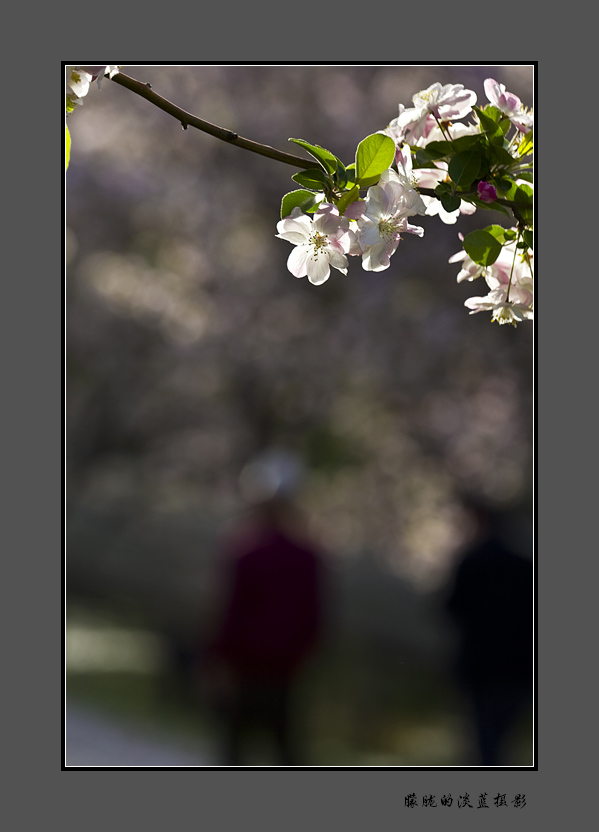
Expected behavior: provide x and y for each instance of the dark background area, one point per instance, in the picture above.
(190, 348)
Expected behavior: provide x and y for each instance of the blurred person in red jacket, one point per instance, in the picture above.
(272, 616)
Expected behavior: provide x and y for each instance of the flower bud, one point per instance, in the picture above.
(486, 192)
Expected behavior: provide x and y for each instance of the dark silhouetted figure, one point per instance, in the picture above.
(491, 603)
(271, 624)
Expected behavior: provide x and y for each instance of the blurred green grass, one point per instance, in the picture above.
(363, 706)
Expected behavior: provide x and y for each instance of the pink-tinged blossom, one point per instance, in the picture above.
(469, 270)
(418, 125)
(503, 311)
(506, 268)
(320, 243)
(512, 274)
(382, 218)
(510, 282)
(509, 104)
(407, 178)
(442, 103)
(446, 103)
(396, 130)
(454, 131)
(412, 125)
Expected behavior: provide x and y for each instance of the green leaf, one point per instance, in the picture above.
(350, 172)
(321, 154)
(526, 145)
(488, 206)
(444, 188)
(297, 199)
(501, 234)
(490, 124)
(68, 147)
(374, 155)
(524, 198)
(490, 112)
(528, 175)
(432, 153)
(450, 202)
(313, 178)
(500, 157)
(340, 176)
(347, 198)
(465, 167)
(482, 247)
(477, 141)
(520, 193)
(524, 194)
(502, 184)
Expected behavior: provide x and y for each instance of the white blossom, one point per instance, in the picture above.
(509, 104)
(382, 218)
(320, 243)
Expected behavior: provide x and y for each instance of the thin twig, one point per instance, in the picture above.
(187, 119)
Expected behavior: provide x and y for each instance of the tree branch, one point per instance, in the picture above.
(189, 120)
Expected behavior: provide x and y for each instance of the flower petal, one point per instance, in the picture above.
(318, 269)
(295, 230)
(377, 258)
(297, 261)
(338, 260)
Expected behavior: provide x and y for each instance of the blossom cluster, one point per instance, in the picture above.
(509, 280)
(79, 80)
(341, 223)
(370, 228)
